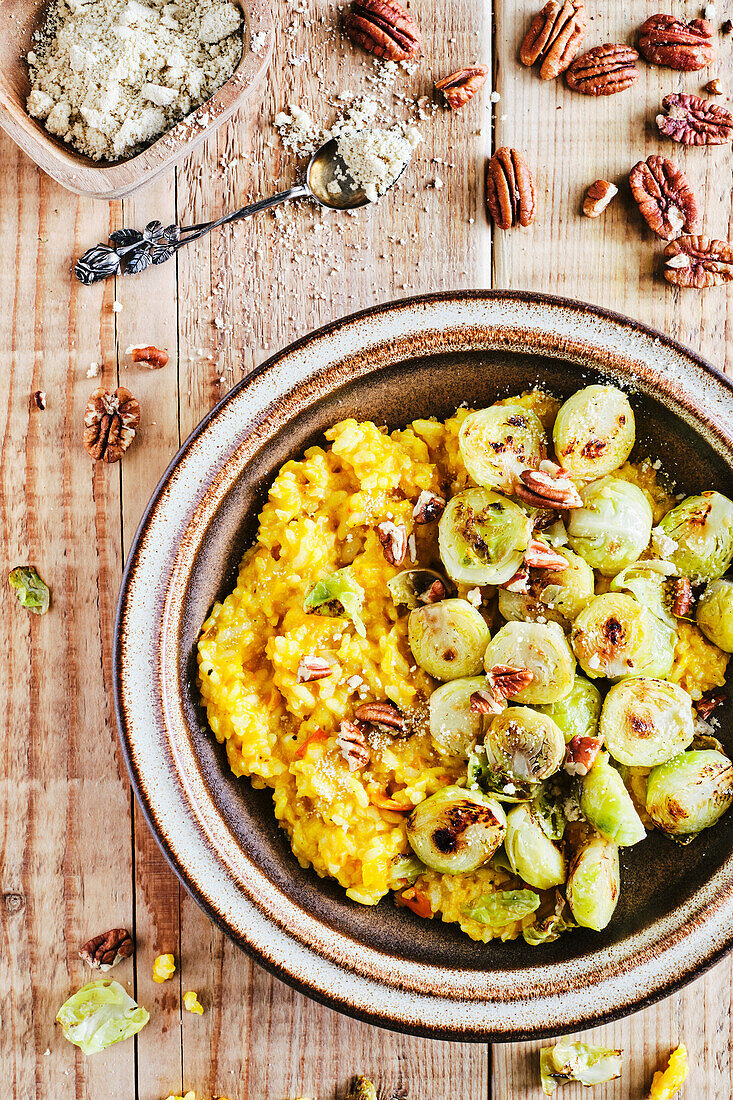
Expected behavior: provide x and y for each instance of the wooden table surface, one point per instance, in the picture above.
(77, 856)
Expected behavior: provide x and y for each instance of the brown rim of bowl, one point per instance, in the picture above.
(312, 960)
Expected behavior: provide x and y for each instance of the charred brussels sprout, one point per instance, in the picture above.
(482, 537)
(702, 527)
(646, 722)
(543, 650)
(715, 613)
(456, 830)
(690, 792)
(613, 527)
(498, 443)
(454, 727)
(448, 639)
(608, 806)
(615, 637)
(594, 432)
(594, 883)
(524, 745)
(531, 854)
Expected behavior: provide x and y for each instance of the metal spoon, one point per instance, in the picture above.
(130, 251)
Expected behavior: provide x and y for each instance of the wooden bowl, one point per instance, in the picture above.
(415, 358)
(103, 179)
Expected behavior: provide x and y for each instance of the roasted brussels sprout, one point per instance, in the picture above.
(524, 746)
(454, 727)
(594, 882)
(690, 792)
(456, 830)
(608, 806)
(568, 1061)
(498, 443)
(702, 527)
(594, 432)
(482, 537)
(715, 613)
(448, 639)
(532, 855)
(578, 713)
(502, 907)
(336, 595)
(614, 636)
(554, 595)
(541, 648)
(613, 527)
(646, 722)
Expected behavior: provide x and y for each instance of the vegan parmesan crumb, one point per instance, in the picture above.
(376, 158)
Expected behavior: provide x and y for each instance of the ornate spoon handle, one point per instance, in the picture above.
(130, 251)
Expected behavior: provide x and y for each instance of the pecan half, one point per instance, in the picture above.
(671, 42)
(110, 422)
(682, 598)
(695, 121)
(150, 356)
(664, 197)
(580, 754)
(604, 70)
(462, 85)
(510, 190)
(539, 555)
(554, 37)
(506, 681)
(393, 537)
(382, 714)
(554, 490)
(710, 701)
(428, 508)
(597, 198)
(105, 951)
(352, 742)
(483, 702)
(698, 262)
(384, 28)
(313, 668)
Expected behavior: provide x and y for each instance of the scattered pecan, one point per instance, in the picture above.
(714, 87)
(434, 594)
(554, 37)
(604, 70)
(312, 668)
(428, 508)
(393, 537)
(698, 262)
(39, 399)
(554, 490)
(664, 197)
(726, 26)
(510, 190)
(682, 599)
(695, 121)
(671, 42)
(710, 701)
(105, 951)
(462, 85)
(354, 749)
(580, 754)
(539, 555)
(384, 28)
(150, 356)
(597, 198)
(110, 422)
(483, 702)
(382, 714)
(519, 582)
(506, 681)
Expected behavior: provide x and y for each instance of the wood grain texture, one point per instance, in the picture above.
(76, 856)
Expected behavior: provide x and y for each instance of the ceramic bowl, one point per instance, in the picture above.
(419, 357)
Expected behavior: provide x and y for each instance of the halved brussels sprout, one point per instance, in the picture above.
(714, 613)
(410, 588)
(482, 537)
(608, 806)
(100, 1014)
(532, 855)
(496, 444)
(578, 713)
(454, 727)
(448, 639)
(594, 432)
(541, 648)
(336, 595)
(690, 792)
(613, 527)
(524, 745)
(553, 595)
(502, 907)
(702, 527)
(568, 1061)
(594, 882)
(646, 722)
(455, 830)
(614, 636)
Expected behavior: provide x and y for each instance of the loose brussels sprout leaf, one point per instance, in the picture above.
(454, 727)
(100, 1014)
(594, 432)
(482, 537)
(496, 444)
(455, 830)
(32, 592)
(690, 792)
(578, 713)
(645, 722)
(594, 883)
(552, 927)
(543, 649)
(406, 867)
(409, 586)
(608, 806)
(613, 527)
(702, 527)
(336, 595)
(531, 853)
(715, 613)
(502, 907)
(547, 807)
(648, 582)
(568, 1061)
(481, 777)
(448, 639)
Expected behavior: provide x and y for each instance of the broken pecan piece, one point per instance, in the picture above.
(698, 262)
(384, 28)
(539, 555)
(150, 356)
(554, 37)
(695, 121)
(382, 714)
(664, 197)
(682, 598)
(714, 87)
(519, 582)
(510, 190)
(312, 668)
(110, 422)
(353, 746)
(462, 85)
(710, 701)
(105, 951)
(428, 508)
(555, 491)
(597, 198)
(483, 702)
(604, 70)
(671, 42)
(393, 537)
(580, 754)
(39, 399)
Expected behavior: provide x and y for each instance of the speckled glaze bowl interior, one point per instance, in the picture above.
(391, 364)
